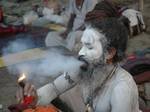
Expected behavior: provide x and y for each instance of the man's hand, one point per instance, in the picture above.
(29, 90)
(64, 34)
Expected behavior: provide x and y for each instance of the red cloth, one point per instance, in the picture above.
(11, 29)
(23, 106)
(142, 77)
(28, 100)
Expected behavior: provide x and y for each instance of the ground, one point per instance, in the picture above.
(8, 82)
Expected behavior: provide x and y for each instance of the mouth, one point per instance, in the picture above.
(85, 64)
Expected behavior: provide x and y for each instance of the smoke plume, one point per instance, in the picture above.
(56, 61)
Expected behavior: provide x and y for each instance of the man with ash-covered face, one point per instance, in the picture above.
(105, 86)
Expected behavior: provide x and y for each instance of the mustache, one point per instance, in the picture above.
(85, 64)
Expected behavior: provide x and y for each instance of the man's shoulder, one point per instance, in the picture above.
(123, 77)
(122, 74)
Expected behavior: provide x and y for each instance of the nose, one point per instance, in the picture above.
(81, 52)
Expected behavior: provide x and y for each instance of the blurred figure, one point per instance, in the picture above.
(53, 11)
(76, 11)
(50, 13)
(8, 29)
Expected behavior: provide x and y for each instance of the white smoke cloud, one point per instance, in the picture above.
(57, 61)
(22, 42)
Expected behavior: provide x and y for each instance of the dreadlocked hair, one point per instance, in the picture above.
(102, 10)
(115, 33)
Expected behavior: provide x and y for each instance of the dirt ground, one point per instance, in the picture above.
(8, 83)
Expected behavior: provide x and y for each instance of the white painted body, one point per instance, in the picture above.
(118, 94)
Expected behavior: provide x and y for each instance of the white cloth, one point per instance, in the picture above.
(49, 15)
(53, 39)
(43, 97)
(29, 17)
(88, 5)
(118, 95)
(133, 16)
(72, 42)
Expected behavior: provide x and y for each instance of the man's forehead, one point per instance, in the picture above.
(91, 35)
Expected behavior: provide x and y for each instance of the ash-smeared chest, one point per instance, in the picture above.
(101, 97)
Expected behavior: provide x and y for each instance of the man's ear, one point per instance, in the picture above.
(111, 54)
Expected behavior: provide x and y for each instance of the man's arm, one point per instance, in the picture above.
(50, 91)
(71, 21)
(124, 98)
(69, 26)
(69, 11)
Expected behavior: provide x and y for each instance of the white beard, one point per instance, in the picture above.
(90, 82)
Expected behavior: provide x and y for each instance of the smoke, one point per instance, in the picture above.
(22, 42)
(57, 61)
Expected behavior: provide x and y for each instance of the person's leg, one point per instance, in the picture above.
(73, 41)
(54, 39)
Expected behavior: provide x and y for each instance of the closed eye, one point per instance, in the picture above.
(88, 45)
(90, 48)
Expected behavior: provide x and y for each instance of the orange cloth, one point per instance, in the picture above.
(49, 108)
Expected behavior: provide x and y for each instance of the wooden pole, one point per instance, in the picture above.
(140, 5)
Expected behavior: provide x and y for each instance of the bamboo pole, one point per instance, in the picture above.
(140, 5)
